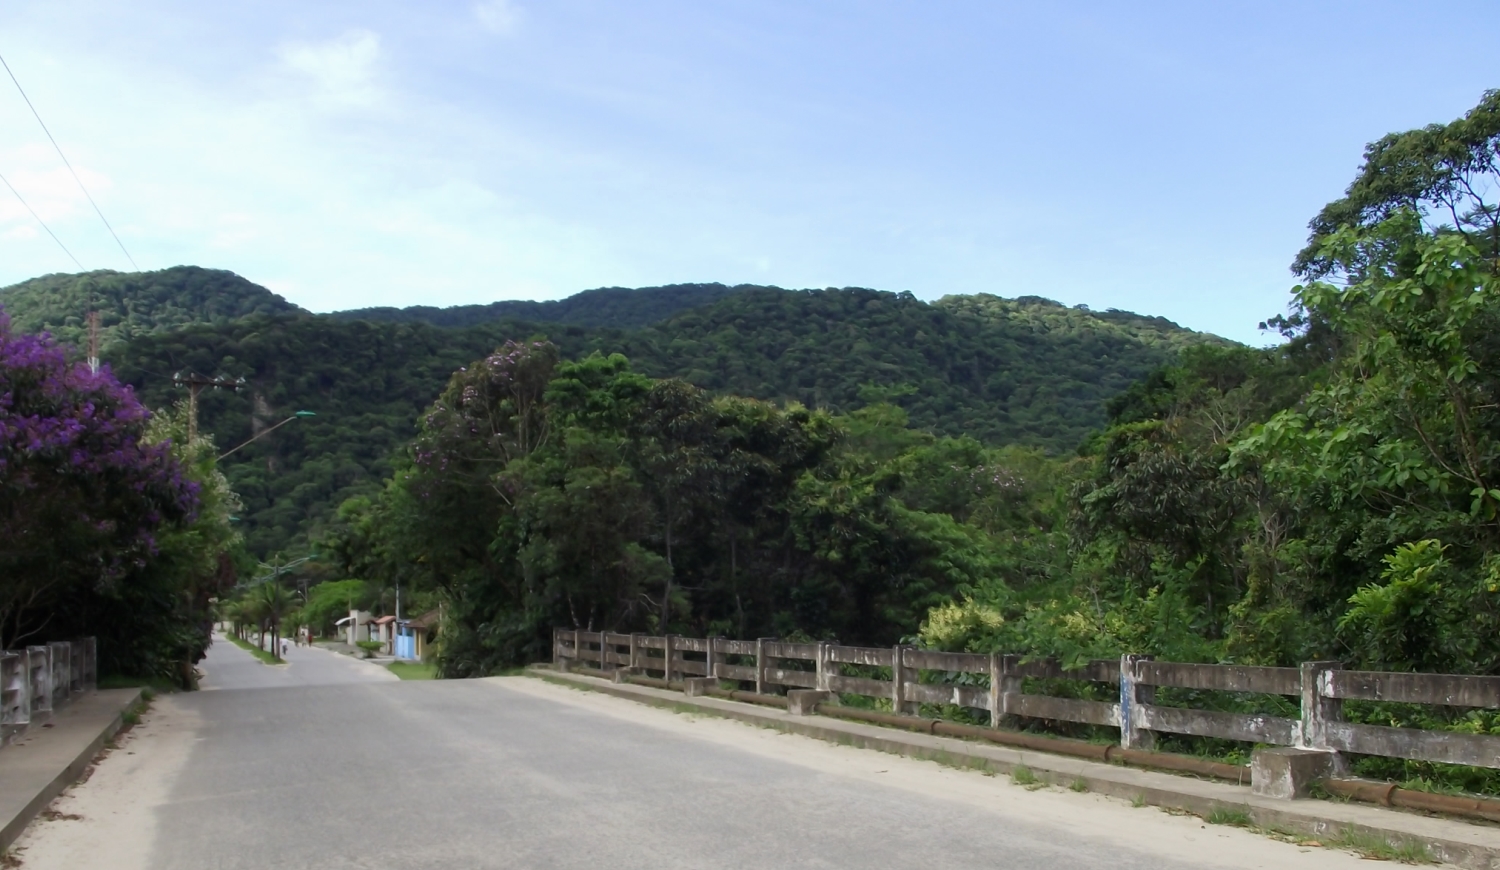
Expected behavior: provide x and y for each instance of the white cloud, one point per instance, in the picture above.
(47, 186)
(342, 69)
(498, 16)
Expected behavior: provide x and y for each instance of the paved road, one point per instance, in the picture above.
(229, 667)
(516, 773)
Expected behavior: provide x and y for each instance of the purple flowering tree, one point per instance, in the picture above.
(83, 494)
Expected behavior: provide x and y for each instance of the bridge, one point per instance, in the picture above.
(329, 762)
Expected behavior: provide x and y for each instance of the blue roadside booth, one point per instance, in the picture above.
(406, 641)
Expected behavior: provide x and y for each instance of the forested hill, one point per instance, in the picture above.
(1026, 371)
(619, 307)
(135, 303)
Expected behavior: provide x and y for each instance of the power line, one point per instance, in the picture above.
(64, 157)
(44, 224)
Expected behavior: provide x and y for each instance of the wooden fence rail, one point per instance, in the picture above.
(910, 677)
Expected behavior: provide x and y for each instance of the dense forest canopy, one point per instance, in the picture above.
(619, 307)
(1025, 371)
(131, 304)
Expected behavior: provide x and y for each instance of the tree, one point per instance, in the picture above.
(1442, 173)
(1402, 443)
(271, 602)
(84, 493)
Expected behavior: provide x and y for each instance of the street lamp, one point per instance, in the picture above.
(264, 432)
(278, 569)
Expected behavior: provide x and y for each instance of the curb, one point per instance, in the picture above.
(13, 828)
(1461, 843)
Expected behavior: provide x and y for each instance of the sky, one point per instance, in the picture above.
(1162, 158)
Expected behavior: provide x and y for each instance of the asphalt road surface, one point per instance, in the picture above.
(229, 667)
(326, 763)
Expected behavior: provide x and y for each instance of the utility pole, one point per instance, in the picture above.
(196, 384)
(94, 342)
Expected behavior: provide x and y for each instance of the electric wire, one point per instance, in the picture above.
(43, 223)
(71, 171)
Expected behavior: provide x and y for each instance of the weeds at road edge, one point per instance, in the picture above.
(413, 670)
(1379, 848)
(1233, 818)
(265, 657)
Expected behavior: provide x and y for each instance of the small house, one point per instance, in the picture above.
(383, 629)
(415, 636)
(355, 626)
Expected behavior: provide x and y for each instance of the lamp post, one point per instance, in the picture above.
(266, 432)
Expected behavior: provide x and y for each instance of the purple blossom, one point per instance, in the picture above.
(72, 457)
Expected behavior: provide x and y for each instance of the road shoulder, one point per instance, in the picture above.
(1450, 841)
(48, 758)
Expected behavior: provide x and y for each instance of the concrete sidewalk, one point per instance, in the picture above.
(51, 757)
(1451, 841)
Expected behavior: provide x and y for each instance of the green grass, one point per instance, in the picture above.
(1079, 785)
(1022, 775)
(265, 657)
(132, 715)
(157, 685)
(1377, 847)
(413, 670)
(1222, 816)
(1139, 801)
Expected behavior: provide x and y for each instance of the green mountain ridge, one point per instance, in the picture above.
(620, 307)
(1005, 371)
(135, 303)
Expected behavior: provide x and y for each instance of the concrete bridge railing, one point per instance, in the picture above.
(38, 680)
(1316, 742)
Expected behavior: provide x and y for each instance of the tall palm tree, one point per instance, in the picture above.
(236, 612)
(274, 602)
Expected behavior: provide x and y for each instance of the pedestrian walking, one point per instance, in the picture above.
(284, 647)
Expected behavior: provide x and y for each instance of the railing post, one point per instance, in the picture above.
(760, 665)
(635, 652)
(557, 655)
(823, 663)
(14, 708)
(1004, 688)
(899, 677)
(62, 670)
(715, 657)
(41, 682)
(1318, 710)
(1132, 696)
(667, 658)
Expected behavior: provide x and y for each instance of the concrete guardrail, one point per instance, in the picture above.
(1304, 750)
(37, 681)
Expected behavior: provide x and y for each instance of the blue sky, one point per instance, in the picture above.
(1161, 158)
